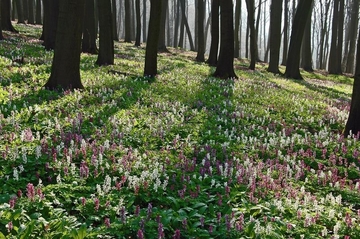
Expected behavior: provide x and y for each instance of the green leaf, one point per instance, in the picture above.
(2, 235)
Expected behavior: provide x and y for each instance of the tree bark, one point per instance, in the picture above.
(31, 18)
(323, 32)
(352, 125)
(162, 36)
(89, 36)
(1, 35)
(225, 65)
(150, 69)
(340, 38)
(332, 66)
(354, 21)
(215, 26)
(285, 35)
(65, 70)
(19, 10)
(253, 41)
(5, 16)
(201, 47)
(127, 21)
(186, 24)
(51, 13)
(306, 56)
(177, 22)
(106, 42)
(113, 9)
(38, 18)
(138, 23)
(275, 35)
(292, 66)
(144, 21)
(237, 28)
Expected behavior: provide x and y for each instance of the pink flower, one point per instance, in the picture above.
(30, 191)
(97, 204)
(10, 226)
(107, 222)
(140, 234)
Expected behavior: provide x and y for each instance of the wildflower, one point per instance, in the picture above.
(97, 204)
(184, 223)
(12, 202)
(30, 191)
(140, 234)
(161, 231)
(177, 234)
(107, 222)
(211, 229)
(83, 201)
(149, 210)
(10, 226)
(202, 221)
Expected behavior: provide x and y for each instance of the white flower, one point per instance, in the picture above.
(16, 174)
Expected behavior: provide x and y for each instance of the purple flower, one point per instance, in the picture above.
(177, 234)
(140, 234)
(161, 231)
(107, 222)
(97, 204)
(30, 191)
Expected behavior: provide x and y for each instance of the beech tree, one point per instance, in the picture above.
(150, 69)
(225, 65)
(253, 42)
(106, 42)
(89, 33)
(201, 47)
(214, 45)
(51, 13)
(138, 23)
(352, 124)
(1, 35)
(275, 35)
(293, 60)
(5, 16)
(65, 69)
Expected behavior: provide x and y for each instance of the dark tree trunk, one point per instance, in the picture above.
(225, 65)
(115, 32)
(51, 13)
(323, 32)
(186, 24)
(306, 55)
(138, 23)
(257, 23)
(354, 21)
(89, 36)
(127, 21)
(340, 38)
(177, 22)
(286, 27)
(214, 46)
(31, 18)
(65, 69)
(275, 35)
(144, 21)
(251, 22)
(162, 36)
(332, 67)
(5, 16)
(1, 35)
(237, 28)
(182, 28)
(38, 19)
(150, 69)
(106, 42)
(26, 9)
(201, 15)
(19, 10)
(352, 124)
(293, 60)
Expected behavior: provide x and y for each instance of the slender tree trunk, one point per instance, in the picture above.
(177, 22)
(162, 38)
(150, 69)
(285, 36)
(354, 21)
(138, 23)
(225, 65)
(183, 10)
(340, 38)
(306, 56)
(106, 42)
(19, 10)
(237, 28)
(65, 69)
(257, 23)
(275, 35)
(114, 11)
(201, 15)
(323, 31)
(333, 48)
(144, 21)
(5, 16)
(127, 21)
(215, 26)
(31, 18)
(297, 33)
(89, 36)
(38, 18)
(251, 22)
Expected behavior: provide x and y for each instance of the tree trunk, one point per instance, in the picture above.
(306, 56)
(251, 22)
(65, 69)
(177, 22)
(285, 37)
(138, 23)
(332, 67)
(257, 23)
(201, 47)
(106, 42)
(323, 32)
(51, 13)
(26, 9)
(237, 28)
(127, 21)
(89, 36)
(214, 46)
(182, 28)
(183, 10)
(38, 19)
(1, 35)
(5, 16)
(275, 35)
(19, 10)
(113, 9)
(302, 12)
(162, 36)
(31, 18)
(340, 38)
(352, 125)
(144, 21)
(150, 69)
(354, 21)
(225, 65)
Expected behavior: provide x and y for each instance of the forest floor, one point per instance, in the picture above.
(184, 155)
